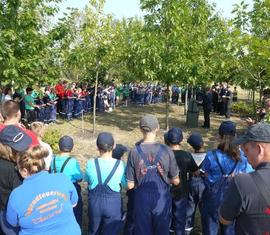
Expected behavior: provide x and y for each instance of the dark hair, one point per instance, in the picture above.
(227, 146)
(9, 109)
(7, 89)
(29, 89)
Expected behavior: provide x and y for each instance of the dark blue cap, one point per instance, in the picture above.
(119, 151)
(259, 132)
(66, 143)
(227, 128)
(195, 140)
(105, 141)
(15, 138)
(174, 135)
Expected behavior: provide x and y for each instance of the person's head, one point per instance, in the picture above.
(11, 110)
(256, 143)
(66, 144)
(174, 136)
(195, 141)
(8, 91)
(12, 141)
(105, 142)
(38, 128)
(267, 104)
(29, 90)
(119, 151)
(149, 125)
(32, 161)
(227, 133)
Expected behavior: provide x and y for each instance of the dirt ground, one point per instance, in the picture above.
(123, 124)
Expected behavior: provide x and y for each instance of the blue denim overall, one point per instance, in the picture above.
(104, 206)
(211, 201)
(152, 200)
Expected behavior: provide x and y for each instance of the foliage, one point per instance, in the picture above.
(52, 138)
(242, 108)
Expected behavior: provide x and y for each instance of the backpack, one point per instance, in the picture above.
(62, 168)
(219, 188)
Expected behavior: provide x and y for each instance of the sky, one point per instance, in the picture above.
(130, 8)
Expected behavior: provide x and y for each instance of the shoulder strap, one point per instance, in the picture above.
(54, 165)
(159, 155)
(262, 186)
(98, 171)
(112, 172)
(64, 165)
(219, 165)
(142, 154)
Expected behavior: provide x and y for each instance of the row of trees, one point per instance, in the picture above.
(181, 42)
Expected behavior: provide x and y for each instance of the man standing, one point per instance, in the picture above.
(207, 106)
(151, 168)
(247, 199)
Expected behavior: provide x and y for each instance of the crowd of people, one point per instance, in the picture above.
(72, 100)
(40, 192)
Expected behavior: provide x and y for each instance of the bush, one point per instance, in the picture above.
(243, 109)
(52, 138)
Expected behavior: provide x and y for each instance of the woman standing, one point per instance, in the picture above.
(46, 206)
(219, 166)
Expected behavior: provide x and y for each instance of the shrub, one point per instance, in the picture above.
(52, 138)
(243, 109)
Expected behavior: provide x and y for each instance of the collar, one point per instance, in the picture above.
(263, 165)
(36, 175)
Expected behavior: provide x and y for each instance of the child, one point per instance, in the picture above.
(39, 130)
(196, 184)
(186, 165)
(104, 176)
(67, 164)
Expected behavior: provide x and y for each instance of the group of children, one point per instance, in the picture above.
(161, 180)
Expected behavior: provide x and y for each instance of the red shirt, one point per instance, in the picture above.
(60, 90)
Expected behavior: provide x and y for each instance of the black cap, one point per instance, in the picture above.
(259, 132)
(227, 128)
(15, 138)
(105, 141)
(175, 135)
(66, 144)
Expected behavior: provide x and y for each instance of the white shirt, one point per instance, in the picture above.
(47, 159)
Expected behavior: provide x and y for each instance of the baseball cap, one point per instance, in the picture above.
(105, 141)
(175, 135)
(149, 123)
(195, 140)
(259, 132)
(15, 138)
(66, 143)
(227, 128)
(119, 151)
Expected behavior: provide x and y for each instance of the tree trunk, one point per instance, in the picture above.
(186, 101)
(95, 103)
(167, 106)
(253, 103)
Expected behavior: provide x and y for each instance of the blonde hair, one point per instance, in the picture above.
(8, 153)
(33, 159)
(227, 146)
(38, 128)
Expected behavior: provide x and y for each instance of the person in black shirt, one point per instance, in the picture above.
(247, 199)
(186, 164)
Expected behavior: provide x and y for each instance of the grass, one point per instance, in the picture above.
(123, 124)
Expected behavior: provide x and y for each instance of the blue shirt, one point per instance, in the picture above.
(210, 165)
(43, 205)
(106, 166)
(72, 169)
